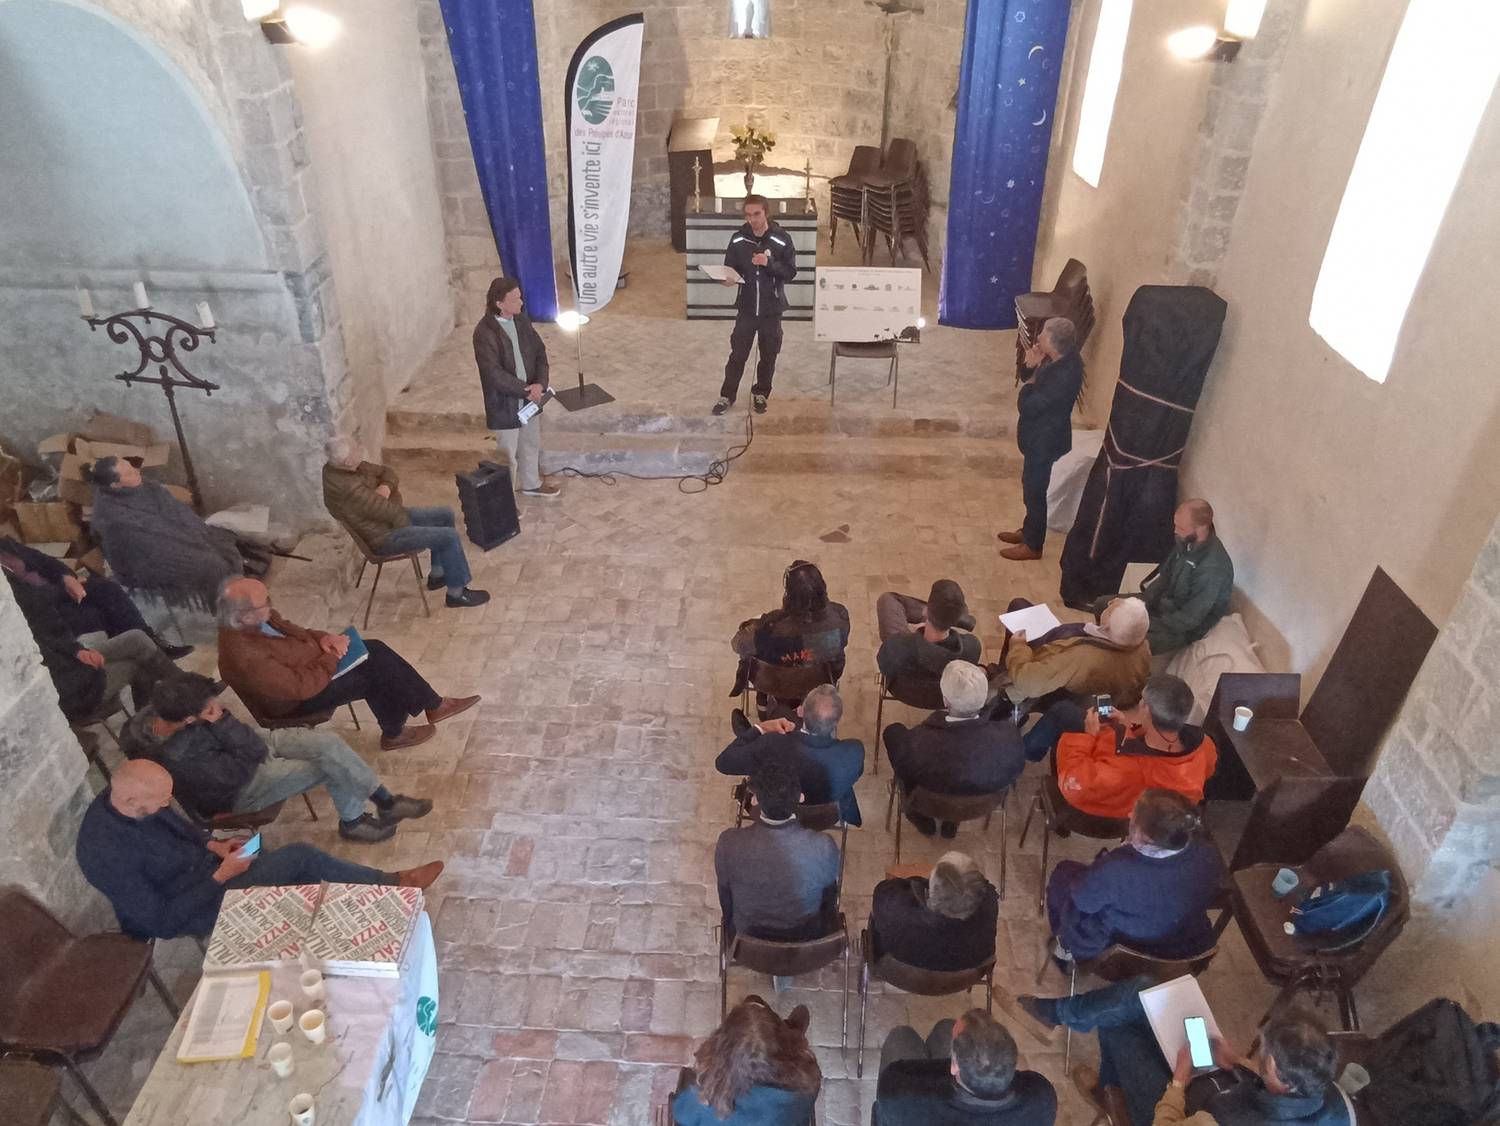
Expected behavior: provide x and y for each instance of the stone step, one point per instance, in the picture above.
(668, 454)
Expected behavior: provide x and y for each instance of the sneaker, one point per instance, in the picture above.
(543, 492)
(722, 405)
(436, 582)
(466, 597)
(410, 737)
(450, 707)
(403, 808)
(367, 829)
(422, 877)
(760, 404)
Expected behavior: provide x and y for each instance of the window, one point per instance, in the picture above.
(1099, 89)
(749, 19)
(1439, 79)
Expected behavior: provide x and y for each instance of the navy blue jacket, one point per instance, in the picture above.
(971, 756)
(155, 871)
(903, 926)
(923, 1093)
(1156, 905)
(1044, 430)
(826, 767)
(764, 291)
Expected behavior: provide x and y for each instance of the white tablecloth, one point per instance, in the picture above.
(368, 1072)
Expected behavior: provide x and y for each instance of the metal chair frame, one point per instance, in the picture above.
(891, 690)
(949, 807)
(368, 556)
(764, 956)
(1053, 820)
(866, 350)
(914, 979)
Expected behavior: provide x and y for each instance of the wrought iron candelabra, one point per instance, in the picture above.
(162, 347)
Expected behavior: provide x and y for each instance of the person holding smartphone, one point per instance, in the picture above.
(1291, 1079)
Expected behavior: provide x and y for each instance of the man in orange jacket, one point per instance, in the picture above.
(1104, 769)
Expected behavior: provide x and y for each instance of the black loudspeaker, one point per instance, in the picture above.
(489, 505)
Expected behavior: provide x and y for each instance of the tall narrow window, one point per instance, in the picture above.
(1105, 63)
(1440, 76)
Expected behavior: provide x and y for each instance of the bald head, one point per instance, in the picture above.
(1193, 520)
(244, 604)
(140, 788)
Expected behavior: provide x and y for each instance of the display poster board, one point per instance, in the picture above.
(861, 303)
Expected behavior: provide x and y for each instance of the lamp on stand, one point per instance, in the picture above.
(162, 347)
(585, 394)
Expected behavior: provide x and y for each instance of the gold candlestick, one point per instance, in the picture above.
(697, 185)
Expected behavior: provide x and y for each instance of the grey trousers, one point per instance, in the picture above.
(897, 613)
(130, 658)
(301, 760)
(522, 448)
(903, 1043)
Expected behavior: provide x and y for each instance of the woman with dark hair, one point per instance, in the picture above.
(1152, 893)
(754, 1070)
(807, 630)
(942, 922)
(152, 541)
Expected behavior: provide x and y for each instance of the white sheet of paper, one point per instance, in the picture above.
(1168, 1005)
(225, 1009)
(722, 273)
(1033, 621)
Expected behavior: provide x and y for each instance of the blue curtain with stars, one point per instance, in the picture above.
(1007, 92)
(493, 43)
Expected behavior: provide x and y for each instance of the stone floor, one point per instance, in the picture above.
(577, 806)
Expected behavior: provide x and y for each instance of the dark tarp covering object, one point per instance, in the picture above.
(1125, 515)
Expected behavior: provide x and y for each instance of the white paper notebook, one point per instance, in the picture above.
(225, 1021)
(722, 273)
(1168, 1005)
(1033, 621)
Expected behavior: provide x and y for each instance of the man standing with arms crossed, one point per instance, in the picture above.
(764, 257)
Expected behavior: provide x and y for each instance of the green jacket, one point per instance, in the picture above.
(351, 499)
(1188, 594)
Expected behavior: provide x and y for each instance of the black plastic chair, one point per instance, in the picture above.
(785, 959)
(1061, 818)
(922, 692)
(914, 979)
(948, 807)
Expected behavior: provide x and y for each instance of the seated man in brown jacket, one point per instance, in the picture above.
(1079, 660)
(366, 498)
(280, 669)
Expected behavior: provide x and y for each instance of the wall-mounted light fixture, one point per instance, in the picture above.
(294, 23)
(1241, 22)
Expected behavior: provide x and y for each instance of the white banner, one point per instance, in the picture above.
(602, 84)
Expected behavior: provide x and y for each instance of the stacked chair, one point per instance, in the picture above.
(846, 193)
(889, 198)
(1070, 298)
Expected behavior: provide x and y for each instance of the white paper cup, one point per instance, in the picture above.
(312, 985)
(280, 1015)
(1242, 717)
(314, 1025)
(1354, 1079)
(302, 1111)
(280, 1056)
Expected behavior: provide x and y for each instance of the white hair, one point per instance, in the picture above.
(341, 450)
(965, 688)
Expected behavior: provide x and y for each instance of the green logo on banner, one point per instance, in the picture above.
(427, 1015)
(595, 91)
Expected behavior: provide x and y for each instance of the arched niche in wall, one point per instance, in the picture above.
(111, 159)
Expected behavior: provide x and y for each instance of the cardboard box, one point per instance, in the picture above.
(79, 451)
(52, 522)
(105, 427)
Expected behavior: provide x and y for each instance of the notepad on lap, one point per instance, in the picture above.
(1033, 621)
(225, 1021)
(1168, 1005)
(356, 655)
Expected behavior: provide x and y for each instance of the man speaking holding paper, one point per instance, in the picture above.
(763, 256)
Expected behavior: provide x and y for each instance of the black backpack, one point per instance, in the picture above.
(1435, 1067)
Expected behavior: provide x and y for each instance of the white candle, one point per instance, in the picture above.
(141, 301)
(205, 315)
(85, 303)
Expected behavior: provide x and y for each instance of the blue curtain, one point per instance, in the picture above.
(1007, 92)
(494, 54)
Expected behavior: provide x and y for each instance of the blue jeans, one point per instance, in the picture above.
(302, 760)
(1129, 1057)
(1060, 718)
(303, 864)
(432, 529)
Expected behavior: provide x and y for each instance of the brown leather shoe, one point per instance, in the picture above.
(409, 737)
(423, 877)
(1021, 553)
(1009, 537)
(1086, 1080)
(451, 706)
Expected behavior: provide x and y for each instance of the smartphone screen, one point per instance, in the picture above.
(251, 847)
(1197, 1037)
(1105, 706)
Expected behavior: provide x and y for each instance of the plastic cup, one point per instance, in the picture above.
(314, 1025)
(280, 1056)
(1242, 717)
(1354, 1079)
(312, 985)
(280, 1015)
(302, 1111)
(1284, 882)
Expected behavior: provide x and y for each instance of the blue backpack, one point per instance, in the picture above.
(1342, 913)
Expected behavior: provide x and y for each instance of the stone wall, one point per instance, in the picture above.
(43, 788)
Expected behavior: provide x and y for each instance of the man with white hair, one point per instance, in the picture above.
(366, 498)
(827, 767)
(956, 750)
(1044, 428)
(1081, 659)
